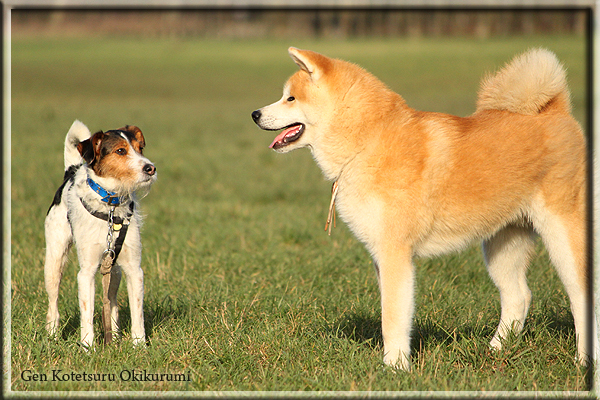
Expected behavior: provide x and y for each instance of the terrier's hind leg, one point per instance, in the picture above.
(58, 242)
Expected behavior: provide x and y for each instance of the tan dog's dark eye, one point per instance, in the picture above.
(291, 98)
(121, 151)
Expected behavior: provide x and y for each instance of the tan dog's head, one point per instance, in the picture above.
(303, 111)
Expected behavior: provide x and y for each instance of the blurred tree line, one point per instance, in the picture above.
(284, 23)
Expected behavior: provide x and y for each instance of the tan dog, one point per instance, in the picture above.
(412, 183)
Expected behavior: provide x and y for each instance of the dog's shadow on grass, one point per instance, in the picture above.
(365, 328)
(71, 325)
(359, 327)
(155, 314)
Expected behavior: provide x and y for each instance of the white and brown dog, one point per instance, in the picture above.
(96, 208)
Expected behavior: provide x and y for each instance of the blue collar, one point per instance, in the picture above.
(110, 198)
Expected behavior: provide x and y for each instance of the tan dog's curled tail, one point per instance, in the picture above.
(532, 82)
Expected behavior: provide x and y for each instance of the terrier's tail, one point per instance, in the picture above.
(77, 134)
(532, 82)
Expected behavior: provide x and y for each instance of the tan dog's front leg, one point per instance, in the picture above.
(396, 283)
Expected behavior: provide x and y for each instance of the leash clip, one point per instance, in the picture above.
(109, 254)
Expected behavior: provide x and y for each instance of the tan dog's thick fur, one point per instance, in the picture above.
(414, 183)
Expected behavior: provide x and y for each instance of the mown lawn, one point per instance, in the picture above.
(244, 289)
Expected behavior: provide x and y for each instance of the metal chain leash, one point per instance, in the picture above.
(109, 254)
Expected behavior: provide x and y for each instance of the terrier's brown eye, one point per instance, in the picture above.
(291, 98)
(121, 151)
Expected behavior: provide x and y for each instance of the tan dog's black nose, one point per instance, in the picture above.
(256, 115)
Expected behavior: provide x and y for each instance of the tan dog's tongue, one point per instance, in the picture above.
(291, 131)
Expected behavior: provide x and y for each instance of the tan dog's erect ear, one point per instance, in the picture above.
(314, 63)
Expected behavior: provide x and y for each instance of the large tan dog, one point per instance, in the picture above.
(412, 183)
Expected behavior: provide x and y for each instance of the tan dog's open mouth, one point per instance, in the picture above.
(288, 135)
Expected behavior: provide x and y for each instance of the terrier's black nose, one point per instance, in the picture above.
(256, 115)
(149, 169)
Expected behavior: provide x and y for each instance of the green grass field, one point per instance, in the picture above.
(244, 289)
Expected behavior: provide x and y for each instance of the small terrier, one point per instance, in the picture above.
(96, 208)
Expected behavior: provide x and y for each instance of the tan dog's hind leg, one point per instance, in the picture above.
(507, 255)
(564, 237)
